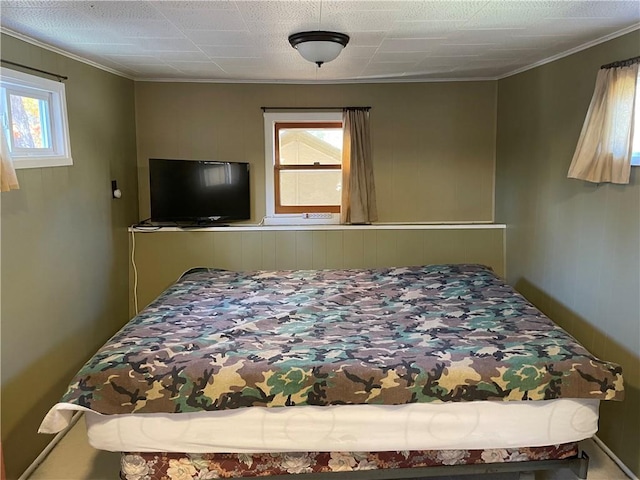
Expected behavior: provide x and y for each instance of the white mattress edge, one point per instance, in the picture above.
(59, 417)
(420, 426)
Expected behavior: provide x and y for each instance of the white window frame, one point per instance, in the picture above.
(52, 92)
(273, 218)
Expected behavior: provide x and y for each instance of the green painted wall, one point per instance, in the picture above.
(64, 251)
(161, 257)
(433, 144)
(573, 248)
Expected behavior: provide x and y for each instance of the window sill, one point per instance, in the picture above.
(303, 219)
(375, 226)
(40, 162)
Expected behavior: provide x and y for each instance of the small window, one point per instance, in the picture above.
(308, 167)
(635, 158)
(303, 167)
(34, 119)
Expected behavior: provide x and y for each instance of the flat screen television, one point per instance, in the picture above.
(198, 192)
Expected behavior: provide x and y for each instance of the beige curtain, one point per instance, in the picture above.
(8, 178)
(605, 145)
(358, 188)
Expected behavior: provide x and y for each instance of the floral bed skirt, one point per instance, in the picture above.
(184, 466)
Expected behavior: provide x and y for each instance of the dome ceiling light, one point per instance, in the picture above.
(319, 46)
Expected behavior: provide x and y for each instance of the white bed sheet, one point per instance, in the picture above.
(419, 426)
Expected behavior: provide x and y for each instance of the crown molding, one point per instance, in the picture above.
(577, 49)
(59, 51)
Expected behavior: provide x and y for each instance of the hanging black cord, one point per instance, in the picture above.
(59, 77)
(622, 63)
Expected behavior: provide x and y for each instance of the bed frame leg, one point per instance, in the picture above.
(578, 465)
(581, 466)
(527, 476)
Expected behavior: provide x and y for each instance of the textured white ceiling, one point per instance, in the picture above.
(225, 40)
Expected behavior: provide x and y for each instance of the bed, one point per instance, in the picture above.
(395, 371)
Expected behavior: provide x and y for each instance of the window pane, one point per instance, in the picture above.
(308, 146)
(310, 187)
(29, 122)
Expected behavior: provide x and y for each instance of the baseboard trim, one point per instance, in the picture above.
(615, 458)
(50, 446)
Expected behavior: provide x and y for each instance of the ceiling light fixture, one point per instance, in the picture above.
(318, 46)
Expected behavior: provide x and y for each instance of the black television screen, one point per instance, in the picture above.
(198, 191)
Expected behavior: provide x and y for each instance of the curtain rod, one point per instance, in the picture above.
(264, 109)
(59, 77)
(622, 63)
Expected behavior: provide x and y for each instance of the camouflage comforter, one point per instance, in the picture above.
(445, 333)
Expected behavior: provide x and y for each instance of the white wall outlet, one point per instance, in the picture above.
(317, 215)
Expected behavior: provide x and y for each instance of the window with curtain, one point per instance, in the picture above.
(608, 143)
(319, 167)
(33, 113)
(303, 154)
